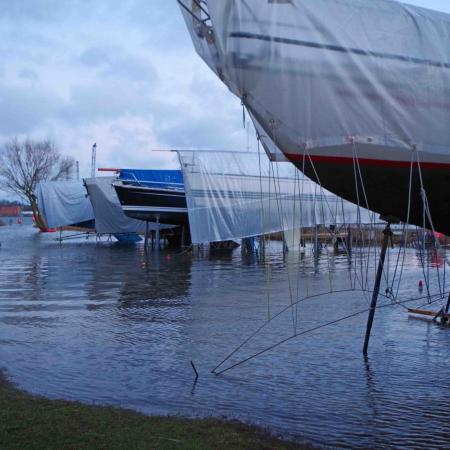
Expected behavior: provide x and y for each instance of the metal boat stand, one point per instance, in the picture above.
(443, 316)
(387, 236)
(154, 235)
(158, 243)
(146, 236)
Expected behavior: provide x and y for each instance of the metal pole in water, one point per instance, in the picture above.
(387, 234)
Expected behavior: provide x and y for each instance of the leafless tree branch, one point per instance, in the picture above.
(25, 164)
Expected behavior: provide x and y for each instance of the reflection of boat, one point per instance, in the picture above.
(351, 92)
(153, 195)
(155, 283)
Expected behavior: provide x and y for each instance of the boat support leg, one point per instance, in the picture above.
(183, 237)
(158, 246)
(146, 236)
(444, 312)
(387, 235)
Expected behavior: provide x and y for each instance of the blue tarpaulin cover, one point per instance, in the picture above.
(153, 178)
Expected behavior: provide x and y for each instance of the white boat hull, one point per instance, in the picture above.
(353, 92)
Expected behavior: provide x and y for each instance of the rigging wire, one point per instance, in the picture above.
(310, 330)
(263, 217)
(362, 257)
(405, 235)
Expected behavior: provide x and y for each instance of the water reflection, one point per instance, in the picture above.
(106, 323)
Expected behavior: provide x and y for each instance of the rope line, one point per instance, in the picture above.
(310, 330)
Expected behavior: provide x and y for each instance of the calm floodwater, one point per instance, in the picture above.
(102, 323)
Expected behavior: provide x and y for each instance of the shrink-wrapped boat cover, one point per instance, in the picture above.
(64, 203)
(355, 93)
(233, 195)
(314, 72)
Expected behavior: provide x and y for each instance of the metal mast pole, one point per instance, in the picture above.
(93, 160)
(78, 170)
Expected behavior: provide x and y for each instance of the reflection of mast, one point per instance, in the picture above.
(93, 160)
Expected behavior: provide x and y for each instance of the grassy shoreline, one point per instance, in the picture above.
(32, 422)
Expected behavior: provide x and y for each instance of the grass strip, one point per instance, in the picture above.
(31, 422)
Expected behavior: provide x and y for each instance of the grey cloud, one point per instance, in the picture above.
(115, 62)
(24, 109)
(28, 74)
(56, 11)
(162, 22)
(40, 10)
(182, 126)
(198, 133)
(105, 100)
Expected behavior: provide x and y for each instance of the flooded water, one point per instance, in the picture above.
(100, 322)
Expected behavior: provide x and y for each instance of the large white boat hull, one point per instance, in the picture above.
(355, 93)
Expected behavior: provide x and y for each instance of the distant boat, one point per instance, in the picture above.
(153, 195)
(355, 93)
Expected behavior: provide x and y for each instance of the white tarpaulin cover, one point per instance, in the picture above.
(232, 195)
(109, 216)
(64, 203)
(315, 72)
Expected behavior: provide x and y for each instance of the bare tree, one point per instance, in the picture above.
(23, 164)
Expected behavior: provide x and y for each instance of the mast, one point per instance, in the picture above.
(93, 159)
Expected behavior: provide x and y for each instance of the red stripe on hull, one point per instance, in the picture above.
(366, 161)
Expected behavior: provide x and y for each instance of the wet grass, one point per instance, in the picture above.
(31, 422)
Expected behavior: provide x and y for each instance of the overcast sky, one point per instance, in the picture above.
(122, 73)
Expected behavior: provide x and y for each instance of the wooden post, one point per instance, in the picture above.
(387, 234)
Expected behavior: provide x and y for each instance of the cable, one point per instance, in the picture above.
(310, 330)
